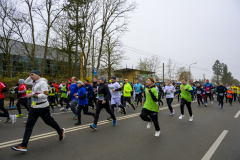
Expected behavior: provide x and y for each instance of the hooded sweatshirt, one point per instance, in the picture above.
(39, 87)
(169, 93)
(22, 89)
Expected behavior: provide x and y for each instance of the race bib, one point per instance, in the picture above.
(220, 94)
(100, 97)
(111, 88)
(137, 92)
(207, 91)
(199, 92)
(34, 101)
(12, 91)
(121, 93)
(229, 94)
(168, 93)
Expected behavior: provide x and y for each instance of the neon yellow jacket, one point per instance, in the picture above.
(127, 90)
(234, 89)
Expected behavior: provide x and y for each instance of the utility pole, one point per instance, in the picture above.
(189, 75)
(163, 74)
(126, 71)
(93, 60)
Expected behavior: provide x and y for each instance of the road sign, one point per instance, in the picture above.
(95, 71)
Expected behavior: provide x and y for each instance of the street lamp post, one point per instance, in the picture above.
(190, 72)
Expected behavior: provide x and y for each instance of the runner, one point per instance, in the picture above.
(138, 92)
(39, 108)
(115, 89)
(82, 101)
(22, 97)
(177, 91)
(89, 90)
(169, 90)
(150, 110)
(208, 87)
(238, 93)
(64, 95)
(230, 95)
(103, 96)
(5, 113)
(94, 91)
(193, 92)
(51, 96)
(74, 101)
(160, 92)
(234, 89)
(221, 90)
(199, 92)
(185, 90)
(12, 95)
(56, 88)
(127, 89)
(204, 95)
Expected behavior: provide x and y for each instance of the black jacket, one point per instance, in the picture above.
(221, 89)
(103, 89)
(199, 89)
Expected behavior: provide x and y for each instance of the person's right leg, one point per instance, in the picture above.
(2, 107)
(98, 110)
(169, 103)
(189, 108)
(154, 118)
(198, 100)
(86, 112)
(18, 106)
(106, 106)
(80, 107)
(182, 106)
(61, 100)
(128, 99)
(144, 115)
(73, 106)
(24, 101)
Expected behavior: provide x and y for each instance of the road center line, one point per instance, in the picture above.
(238, 113)
(215, 145)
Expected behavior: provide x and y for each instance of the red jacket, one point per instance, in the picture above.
(68, 86)
(56, 86)
(21, 88)
(1, 93)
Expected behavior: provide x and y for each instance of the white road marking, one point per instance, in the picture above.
(238, 113)
(215, 145)
(51, 134)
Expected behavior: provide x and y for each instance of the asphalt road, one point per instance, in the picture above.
(130, 138)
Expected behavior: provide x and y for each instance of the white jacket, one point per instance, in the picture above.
(169, 94)
(38, 87)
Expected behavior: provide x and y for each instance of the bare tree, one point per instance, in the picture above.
(152, 64)
(113, 12)
(7, 9)
(49, 11)
(170, 69)
(112, 54)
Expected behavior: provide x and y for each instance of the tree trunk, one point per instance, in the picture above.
(76, 54)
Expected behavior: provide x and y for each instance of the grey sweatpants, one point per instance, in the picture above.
(74, 105)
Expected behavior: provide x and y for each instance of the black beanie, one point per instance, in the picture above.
(36, 72)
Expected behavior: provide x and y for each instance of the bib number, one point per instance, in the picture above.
(220, 94)
(100, 97)
(198, 92)
(207, 91)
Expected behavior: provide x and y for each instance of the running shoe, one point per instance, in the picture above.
(134, 108)
(157, 133)
(65, 111)
(69, 109)
(149, 125)
(78, 123)
(19, 148)
(181, 116)
(14, 119)
(93, 126)
(24, 122)
(171, 114)
(219, 104)
(191, 118)
(173, 111)
(221, 107)
(62, 136)
(75, 117)
(212, 102)
(115, 122)
(110, 118)
(19, 115)
(205, 104)
(62, 109)
(124, 111)
(8, 120)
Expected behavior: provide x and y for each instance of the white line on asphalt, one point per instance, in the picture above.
(236, 116)
(215, 145)
(50, 134)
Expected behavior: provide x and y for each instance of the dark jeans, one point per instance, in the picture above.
(183, 102)
(230, 100)
(34, 113)
(22, 101)
(208, 95)
(63, 100)
(235, 96)
(5, 112)
(90, 101)
(68, 100)
(199, 99)
(221, 98)
(56, 96)
(11, 103)
(138, 98)
(85, 111)
(145, 114)
(169, 103)
(100, 106)
(51, 100)
(127, 99)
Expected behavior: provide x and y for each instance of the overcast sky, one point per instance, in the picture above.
(187, 31)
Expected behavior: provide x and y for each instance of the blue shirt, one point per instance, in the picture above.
(82, 91)
(89, 89)
(73, 89)
(138, 87)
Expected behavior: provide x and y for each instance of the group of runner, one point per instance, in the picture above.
(80, 95)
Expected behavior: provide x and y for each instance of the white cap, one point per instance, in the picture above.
(80, 82)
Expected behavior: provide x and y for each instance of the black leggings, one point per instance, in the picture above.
(208, 95)
(22, 101)
(62, 100)
(169, 103)
(183, 102)
(145, 114)
(100, 106)
(85, 111)
(221, 98)
(159, 98)
(127, 99)
(199, 99)
(5, 112)
(230, 100)
(138, 98)
(11, 103)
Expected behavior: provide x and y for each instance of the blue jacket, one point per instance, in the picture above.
(138, 87)
(89, 89)
(82, 98)
(73, 89)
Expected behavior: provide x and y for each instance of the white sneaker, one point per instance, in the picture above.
(149, 125)
(69, 109)
(173, 111)
(157, 133)
(59, 105)
(181, 116)
(14, 119)
(191, 118)
(212, 102)
(61, 109)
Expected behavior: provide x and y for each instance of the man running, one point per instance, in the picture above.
(150, 110)
(115, 89)
(94, 91)
(22, 97)
(177, 91)
(186, 90)
(103, 96)
(39, 108)
(56, 87)
(64, 95)
(82, 101)
(89, 89)
(138, 92)
(199, 92)
(234, 89)
(127, 89)
(74, 101)
(5, 113)
(169, 89)
(221, 90)
(208, 87)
